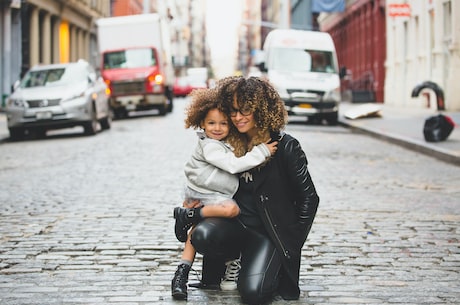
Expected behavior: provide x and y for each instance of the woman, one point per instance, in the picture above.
(277, 200)
(211, 178)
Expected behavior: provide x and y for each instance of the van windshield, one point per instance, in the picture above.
(302, 60)
(131, 58)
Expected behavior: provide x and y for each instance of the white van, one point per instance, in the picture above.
(303, 67)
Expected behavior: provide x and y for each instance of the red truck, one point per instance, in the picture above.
(136, 63)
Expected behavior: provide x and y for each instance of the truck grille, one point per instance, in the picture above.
(317, 92)
(128, 88)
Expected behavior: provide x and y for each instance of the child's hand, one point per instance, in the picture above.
(191, 203)
(272, 147)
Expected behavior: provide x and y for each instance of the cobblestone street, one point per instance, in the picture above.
(88, 220)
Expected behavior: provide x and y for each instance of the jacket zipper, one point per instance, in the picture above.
(285, 252)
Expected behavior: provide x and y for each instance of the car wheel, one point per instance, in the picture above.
(91, 126)
(16, 133)
(106, 122)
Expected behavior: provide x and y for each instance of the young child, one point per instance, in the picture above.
(210, 179)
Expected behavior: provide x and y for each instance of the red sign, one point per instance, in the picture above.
(396, 10)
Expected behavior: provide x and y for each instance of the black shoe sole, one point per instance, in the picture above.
(179, 296)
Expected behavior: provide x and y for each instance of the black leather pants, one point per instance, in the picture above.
(221, 239)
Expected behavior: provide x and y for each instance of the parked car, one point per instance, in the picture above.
(58, 96)
(182, 86)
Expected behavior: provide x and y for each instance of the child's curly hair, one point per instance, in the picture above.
(259, 96)
(202, 100)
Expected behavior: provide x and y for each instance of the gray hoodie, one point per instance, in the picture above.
(213, 166)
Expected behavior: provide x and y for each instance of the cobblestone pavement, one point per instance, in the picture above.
(88, 220)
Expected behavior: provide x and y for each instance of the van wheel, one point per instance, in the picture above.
(332, 118)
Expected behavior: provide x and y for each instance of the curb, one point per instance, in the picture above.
(438, 153)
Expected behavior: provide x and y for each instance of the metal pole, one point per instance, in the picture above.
(285, 7)
(6, 57)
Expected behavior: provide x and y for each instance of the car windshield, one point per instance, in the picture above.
(131, 58)
(54, 77)
(302, 60)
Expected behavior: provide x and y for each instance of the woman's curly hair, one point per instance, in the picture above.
(202, 100)
(259, 96)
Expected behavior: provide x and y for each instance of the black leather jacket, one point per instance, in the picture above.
(287, 203)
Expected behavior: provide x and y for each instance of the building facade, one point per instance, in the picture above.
(423, 44)
(55, 31)
(359, 35)
(392, 47)
(46, 31)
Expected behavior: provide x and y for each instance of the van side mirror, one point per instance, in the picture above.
(262, 67)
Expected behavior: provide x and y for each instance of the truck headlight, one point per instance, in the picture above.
(333, 95)
(284, 95)
(282, 92)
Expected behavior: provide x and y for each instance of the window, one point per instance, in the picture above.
(130, 58)
(300, 60)
(447, 8)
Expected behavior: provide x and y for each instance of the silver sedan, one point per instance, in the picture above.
(58, 96)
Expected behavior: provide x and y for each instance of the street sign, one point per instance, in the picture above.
(399, 10)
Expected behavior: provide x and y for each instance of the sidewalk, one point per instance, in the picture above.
(404, 126)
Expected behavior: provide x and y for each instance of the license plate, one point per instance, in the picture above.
(305, 106)
(130, 107)
(44, 115)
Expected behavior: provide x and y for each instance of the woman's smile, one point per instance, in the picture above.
(241, 123)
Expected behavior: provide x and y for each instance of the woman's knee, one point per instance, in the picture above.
(200, 237)
(215, 236)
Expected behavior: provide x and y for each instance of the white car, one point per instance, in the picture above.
(58, 96)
